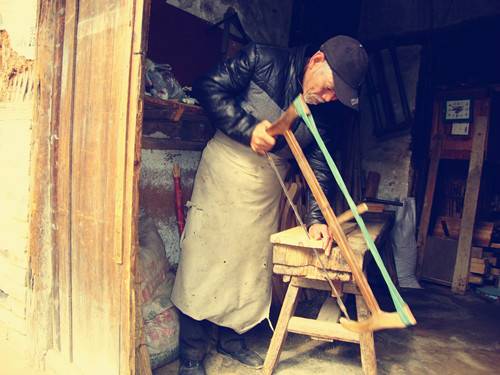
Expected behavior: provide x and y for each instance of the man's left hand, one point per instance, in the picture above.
(321, 232)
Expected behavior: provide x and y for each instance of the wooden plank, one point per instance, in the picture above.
(41, 244)
(132, 335)
(321, 329)
(286, 252)
(481, 110)
(476, 252)
(476, 279)
(425, 217)
(57, 160)
(366, 340)
(310, 272)
(63, 134)
(479, 260)
(480, 237)
(302, 282)
(281, 330)
(99, 191)
(477, 268)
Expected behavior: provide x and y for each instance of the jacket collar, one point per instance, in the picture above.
(298, 60)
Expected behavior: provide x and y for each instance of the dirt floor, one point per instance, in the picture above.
(454, 335)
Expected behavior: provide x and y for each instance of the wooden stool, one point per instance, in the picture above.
(294, 258)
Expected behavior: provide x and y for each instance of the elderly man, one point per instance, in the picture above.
(224, 274)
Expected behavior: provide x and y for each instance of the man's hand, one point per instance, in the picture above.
(262, 142)
(321, 232)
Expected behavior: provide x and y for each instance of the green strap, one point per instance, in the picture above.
(396, 297)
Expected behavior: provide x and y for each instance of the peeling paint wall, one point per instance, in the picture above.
(266, 22)
(17, 35)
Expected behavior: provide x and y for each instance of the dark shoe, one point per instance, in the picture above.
(188, 367)
(243, 355)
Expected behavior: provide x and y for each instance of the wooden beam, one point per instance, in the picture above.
(281, 331)
(321, 329)
(63, 131)
(461, 273)
(366, 341)
(40, 309)
(425, 217)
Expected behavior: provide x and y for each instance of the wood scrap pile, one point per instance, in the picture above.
(484, 266)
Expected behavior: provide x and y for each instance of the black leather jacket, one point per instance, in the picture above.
(277, 71)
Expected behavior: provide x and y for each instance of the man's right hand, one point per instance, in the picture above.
(262, 142)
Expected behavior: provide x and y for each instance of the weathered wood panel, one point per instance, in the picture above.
(99, 268)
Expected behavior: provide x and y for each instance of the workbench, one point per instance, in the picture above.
(295, 261)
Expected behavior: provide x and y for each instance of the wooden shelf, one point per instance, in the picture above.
(184, 126)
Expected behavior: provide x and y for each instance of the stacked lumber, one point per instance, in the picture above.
(484, 266)
(447, 226)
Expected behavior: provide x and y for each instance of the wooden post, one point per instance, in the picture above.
(461, 273)
(366, 341)
(435, 155)
(280, 333)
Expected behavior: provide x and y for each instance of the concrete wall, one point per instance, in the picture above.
(16, 105)
(391, 156)
(264, 21)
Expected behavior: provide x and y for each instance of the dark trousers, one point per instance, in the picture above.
(195, 337)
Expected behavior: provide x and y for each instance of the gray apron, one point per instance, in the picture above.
(225, 266)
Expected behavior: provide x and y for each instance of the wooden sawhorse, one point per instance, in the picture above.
(294, 258)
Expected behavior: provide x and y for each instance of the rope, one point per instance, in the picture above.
(396, 297)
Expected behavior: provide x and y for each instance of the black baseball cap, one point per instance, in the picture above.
(349, 62)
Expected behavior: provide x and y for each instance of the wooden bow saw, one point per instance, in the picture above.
(379, 319)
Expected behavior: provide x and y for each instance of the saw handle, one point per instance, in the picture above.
(287, 118)
(346, 216)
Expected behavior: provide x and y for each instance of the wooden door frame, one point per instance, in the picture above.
(43, 247)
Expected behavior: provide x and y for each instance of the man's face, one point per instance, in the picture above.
(318, 84)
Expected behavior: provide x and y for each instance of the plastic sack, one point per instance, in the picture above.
(162, 337)
(160, 81)
(161, 321)
(174, 89)
(404, 244)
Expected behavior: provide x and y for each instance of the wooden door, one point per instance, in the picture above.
(95, 173)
